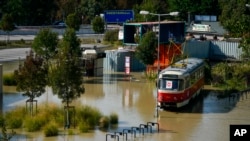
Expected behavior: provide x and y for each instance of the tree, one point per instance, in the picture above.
(146, 51)
(89, 9)
(67, 73)
(45, 43)
(31, 78)
(199, 7)
(7, 24)
(73, 21)
(235, 17)
(98, 24)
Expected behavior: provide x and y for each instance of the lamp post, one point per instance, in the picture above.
(143, 12)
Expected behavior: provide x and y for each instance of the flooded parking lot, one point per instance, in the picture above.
(206, 118)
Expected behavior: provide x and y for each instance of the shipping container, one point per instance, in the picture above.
(196, 49)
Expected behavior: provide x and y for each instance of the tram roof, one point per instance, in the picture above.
(183, 66)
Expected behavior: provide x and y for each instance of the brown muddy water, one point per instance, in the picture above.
(206, 118)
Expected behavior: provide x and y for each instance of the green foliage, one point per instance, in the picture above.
(14, 119)
(104, 123)
(113, 118)
(51, 129)
(31, 76)
(154, 6)
(146, 51)
(98, 24)
(84, 127)
(7, 23)
(89, 9)
(9, 80)
(73, 21)
(21, 41)
(111, 36)
(50, 118)
(5, 136)
(88, 117)
(2, 43)
(235, 17)
(71, 44)
(230, 76)
(66, 74)
(204, 7)
(45, 43)
(33, 124)
(150, 75)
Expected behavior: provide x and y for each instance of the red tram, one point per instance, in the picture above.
(180, 82)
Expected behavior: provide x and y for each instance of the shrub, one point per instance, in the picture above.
(113, 118)
(21, 41)
(9, 80)
(15, 122)
(83, 127)
(34, 123)
(70, 132)
(51, 130)
(14, 119)
(89, 115)
(104, 123)
(3, 43)
(111, 35)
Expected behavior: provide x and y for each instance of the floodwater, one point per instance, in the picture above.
(206, 118)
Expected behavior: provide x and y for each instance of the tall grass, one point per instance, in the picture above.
(89, 117)
(14, 119)
(51, 129)
(51, 117)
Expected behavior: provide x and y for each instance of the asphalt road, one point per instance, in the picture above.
(13, 54)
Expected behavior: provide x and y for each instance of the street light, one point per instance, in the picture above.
(143, 12)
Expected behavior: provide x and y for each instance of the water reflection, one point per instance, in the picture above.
(133, 98)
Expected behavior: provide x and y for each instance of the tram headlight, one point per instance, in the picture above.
(159, 104)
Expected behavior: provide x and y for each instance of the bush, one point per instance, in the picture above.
(83, 127)
(34, 123)
(104, 123)
(113, 118)
(51, 130)
(70, 132)
(111, 35)
(9, 80)
(3, 43)
(21, 41)
(15, 122)
(89, 115)
(14, 119)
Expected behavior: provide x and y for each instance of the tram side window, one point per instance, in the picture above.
(187, 82)
(192, 79)
(202, 72)
(181, 84)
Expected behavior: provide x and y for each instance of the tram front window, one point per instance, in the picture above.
(171, 84)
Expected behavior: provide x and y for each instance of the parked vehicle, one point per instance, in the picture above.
(59, 24)
(180, 82)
